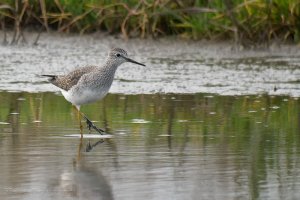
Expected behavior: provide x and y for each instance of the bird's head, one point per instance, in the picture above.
(119, 56)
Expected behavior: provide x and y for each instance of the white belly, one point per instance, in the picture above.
(80, 97)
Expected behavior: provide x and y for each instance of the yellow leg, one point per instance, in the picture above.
(80, 124)
(79, 118)
(89, 123)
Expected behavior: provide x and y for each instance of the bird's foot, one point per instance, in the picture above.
(91, 125)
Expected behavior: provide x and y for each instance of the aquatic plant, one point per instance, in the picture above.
(245, 21)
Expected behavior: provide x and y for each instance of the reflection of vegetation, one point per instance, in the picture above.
(217, 116)
(244, 20)
(261, 131)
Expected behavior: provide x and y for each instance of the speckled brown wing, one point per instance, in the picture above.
(66, 82)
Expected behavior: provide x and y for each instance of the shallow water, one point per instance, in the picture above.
(172, 66)
(200, 146)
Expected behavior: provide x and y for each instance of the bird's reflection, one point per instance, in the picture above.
(84, 181)
(90, 146)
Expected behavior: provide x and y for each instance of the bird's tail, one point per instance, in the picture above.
(51, 77)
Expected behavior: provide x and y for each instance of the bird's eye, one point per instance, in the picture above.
(118, 55)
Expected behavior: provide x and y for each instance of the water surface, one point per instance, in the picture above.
(200, 146)
(173, 66)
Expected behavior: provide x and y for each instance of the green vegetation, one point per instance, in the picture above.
(245, 21)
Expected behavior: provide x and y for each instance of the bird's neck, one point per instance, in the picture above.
(107, 71)
(110, 65)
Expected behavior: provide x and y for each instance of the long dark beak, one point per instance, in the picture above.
(132, 61)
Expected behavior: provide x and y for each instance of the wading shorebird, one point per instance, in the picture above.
(89, 84)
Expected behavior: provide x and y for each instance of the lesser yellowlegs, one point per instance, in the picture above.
(89, 84)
